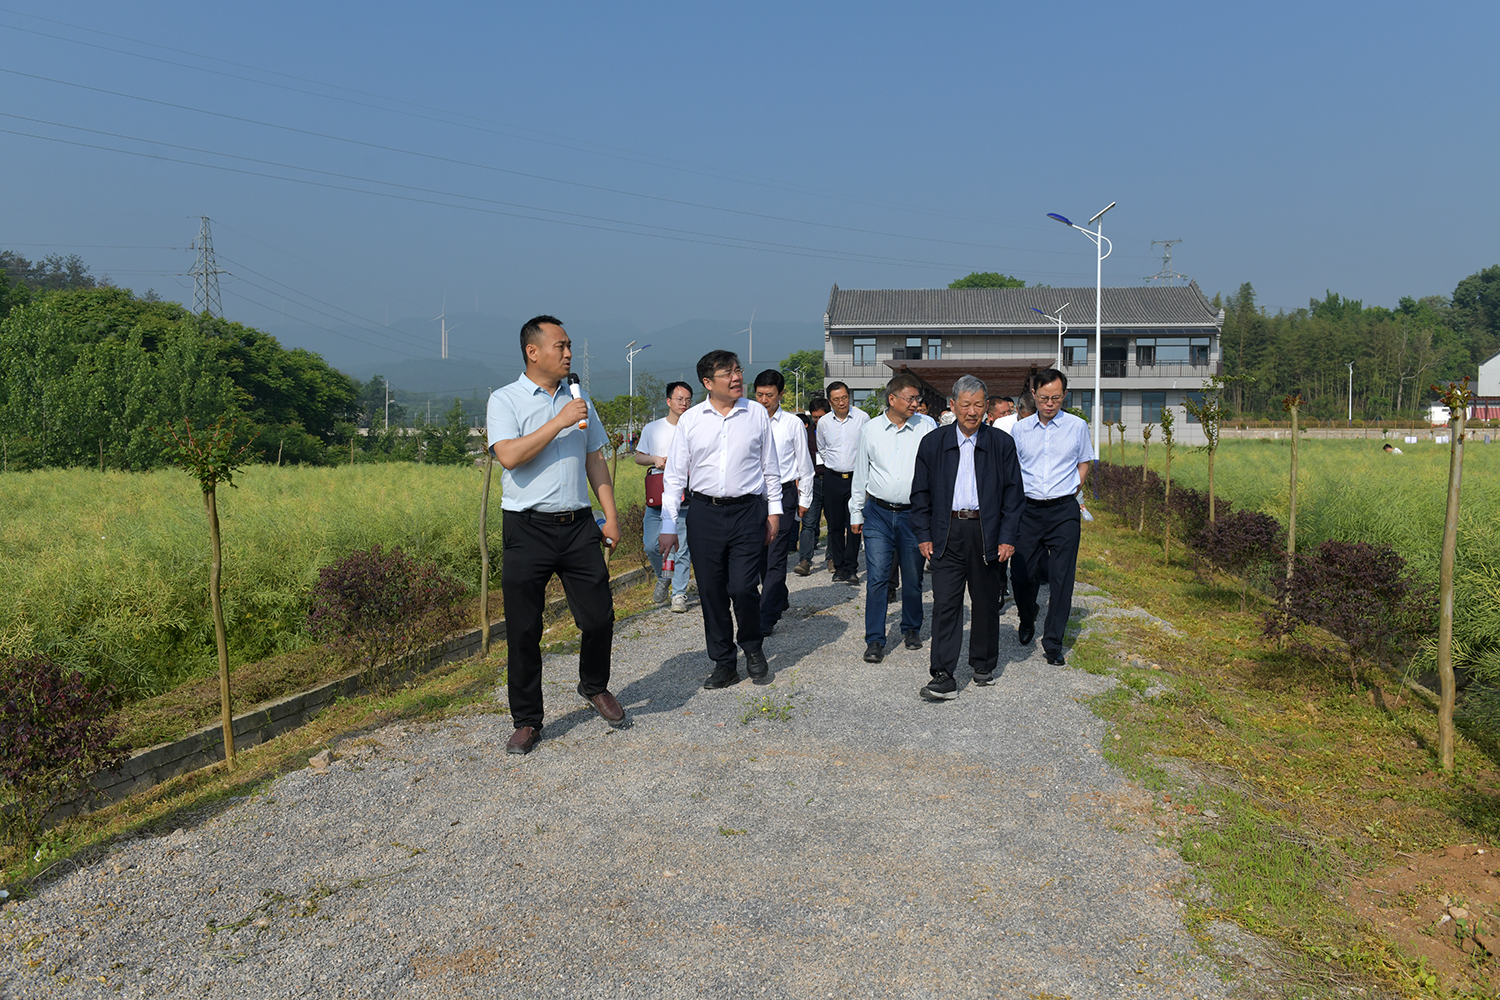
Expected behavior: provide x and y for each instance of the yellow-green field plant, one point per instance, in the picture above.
(108, 573)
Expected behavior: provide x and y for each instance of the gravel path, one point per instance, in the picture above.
(870, 845)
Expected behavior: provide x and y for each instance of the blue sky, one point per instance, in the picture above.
(716, 159)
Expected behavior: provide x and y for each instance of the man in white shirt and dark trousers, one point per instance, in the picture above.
(723, 448)
(880, 510)
(966, 509)
(838, 439)
(790, 436)
(651, 450)
(1055, 452)
(812, 518)
(537, 434)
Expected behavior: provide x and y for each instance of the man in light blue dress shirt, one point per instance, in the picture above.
(880, 511)
(549, 445)
(1055, 452)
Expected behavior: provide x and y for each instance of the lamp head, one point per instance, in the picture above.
(1060, 218)
(1036, 310)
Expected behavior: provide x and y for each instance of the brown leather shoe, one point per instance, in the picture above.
(523, 739)
(607, 706)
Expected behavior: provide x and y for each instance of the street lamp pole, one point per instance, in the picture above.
(1099, 244)
(1061, 329)
(630, 352)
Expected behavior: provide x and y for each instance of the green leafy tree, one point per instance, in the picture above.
(448, 442)
(804, 372)
(987, 279)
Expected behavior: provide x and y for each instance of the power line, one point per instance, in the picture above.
(550, 138)
(467, 163)
(663, 232)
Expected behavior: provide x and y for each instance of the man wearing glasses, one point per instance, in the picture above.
(838, 437)
(724, 449)
(1055, 453)
(880, 510)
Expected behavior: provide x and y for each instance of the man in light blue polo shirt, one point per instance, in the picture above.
(1055, 451)
(550, 447)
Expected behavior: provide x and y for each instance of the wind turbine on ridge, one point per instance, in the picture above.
(750, 341)
(443, 316)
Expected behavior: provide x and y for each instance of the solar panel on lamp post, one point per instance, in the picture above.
(1100, 242)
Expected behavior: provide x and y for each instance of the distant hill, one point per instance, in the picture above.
(484, 352)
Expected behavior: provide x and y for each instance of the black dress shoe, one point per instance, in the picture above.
(1056, 659)
(757, 667)
(1025, 632)
(723, 677)
(874, 652)
(523, 739)
(912, 640)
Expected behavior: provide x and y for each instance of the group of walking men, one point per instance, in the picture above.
(968, 501)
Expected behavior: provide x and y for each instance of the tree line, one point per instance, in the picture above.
(93, 375)
(1397, 353)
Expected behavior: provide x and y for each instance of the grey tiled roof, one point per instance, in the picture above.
(1011, 307)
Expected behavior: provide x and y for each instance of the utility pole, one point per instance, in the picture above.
(205, 274)
(1166, 275)
(387, 404)
(583, 376)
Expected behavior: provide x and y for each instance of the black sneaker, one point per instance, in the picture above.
(874, 653)
(940, 688)
(911, 640)
(723, 676)
(983, 679)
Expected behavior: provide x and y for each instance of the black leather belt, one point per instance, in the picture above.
(966, 515)
(789, 484)
(897, 507)
(1052, 502)
(841, 475)
(549, 517)
(725, 501)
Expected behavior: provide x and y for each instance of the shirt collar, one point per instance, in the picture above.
(532, 388)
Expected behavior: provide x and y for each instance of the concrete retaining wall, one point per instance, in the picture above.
(146, 768)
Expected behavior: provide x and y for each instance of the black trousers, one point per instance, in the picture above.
(1050, 534)
(774, 597)
(728, 544)
(534, 551)
(962, 564)
(843, 544)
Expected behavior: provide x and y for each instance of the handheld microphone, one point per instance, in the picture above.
(573, 388)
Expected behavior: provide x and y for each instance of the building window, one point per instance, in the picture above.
(864, 350)
(1112, 406)
(934, 348)
(1151, 351)
(1198, 351)
(1145, 351)
(1075, 351)
(1152, 404)
(1084, 400)
(1197, 399)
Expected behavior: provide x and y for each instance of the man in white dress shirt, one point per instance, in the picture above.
(724, 448)
(795, 460)
(880, 510)
(838, 439)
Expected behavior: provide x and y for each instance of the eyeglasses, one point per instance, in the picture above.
(909, 399)
(729, 373)
(1049, 399)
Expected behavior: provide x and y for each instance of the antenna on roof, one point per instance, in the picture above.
(1166, 275)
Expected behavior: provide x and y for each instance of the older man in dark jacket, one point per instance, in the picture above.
(966, 500)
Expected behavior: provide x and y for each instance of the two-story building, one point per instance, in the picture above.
(1159, 344)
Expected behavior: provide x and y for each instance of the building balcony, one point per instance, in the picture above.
(1124, 369)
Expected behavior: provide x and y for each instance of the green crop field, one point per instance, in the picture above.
(108, 572)
(1353, 491)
